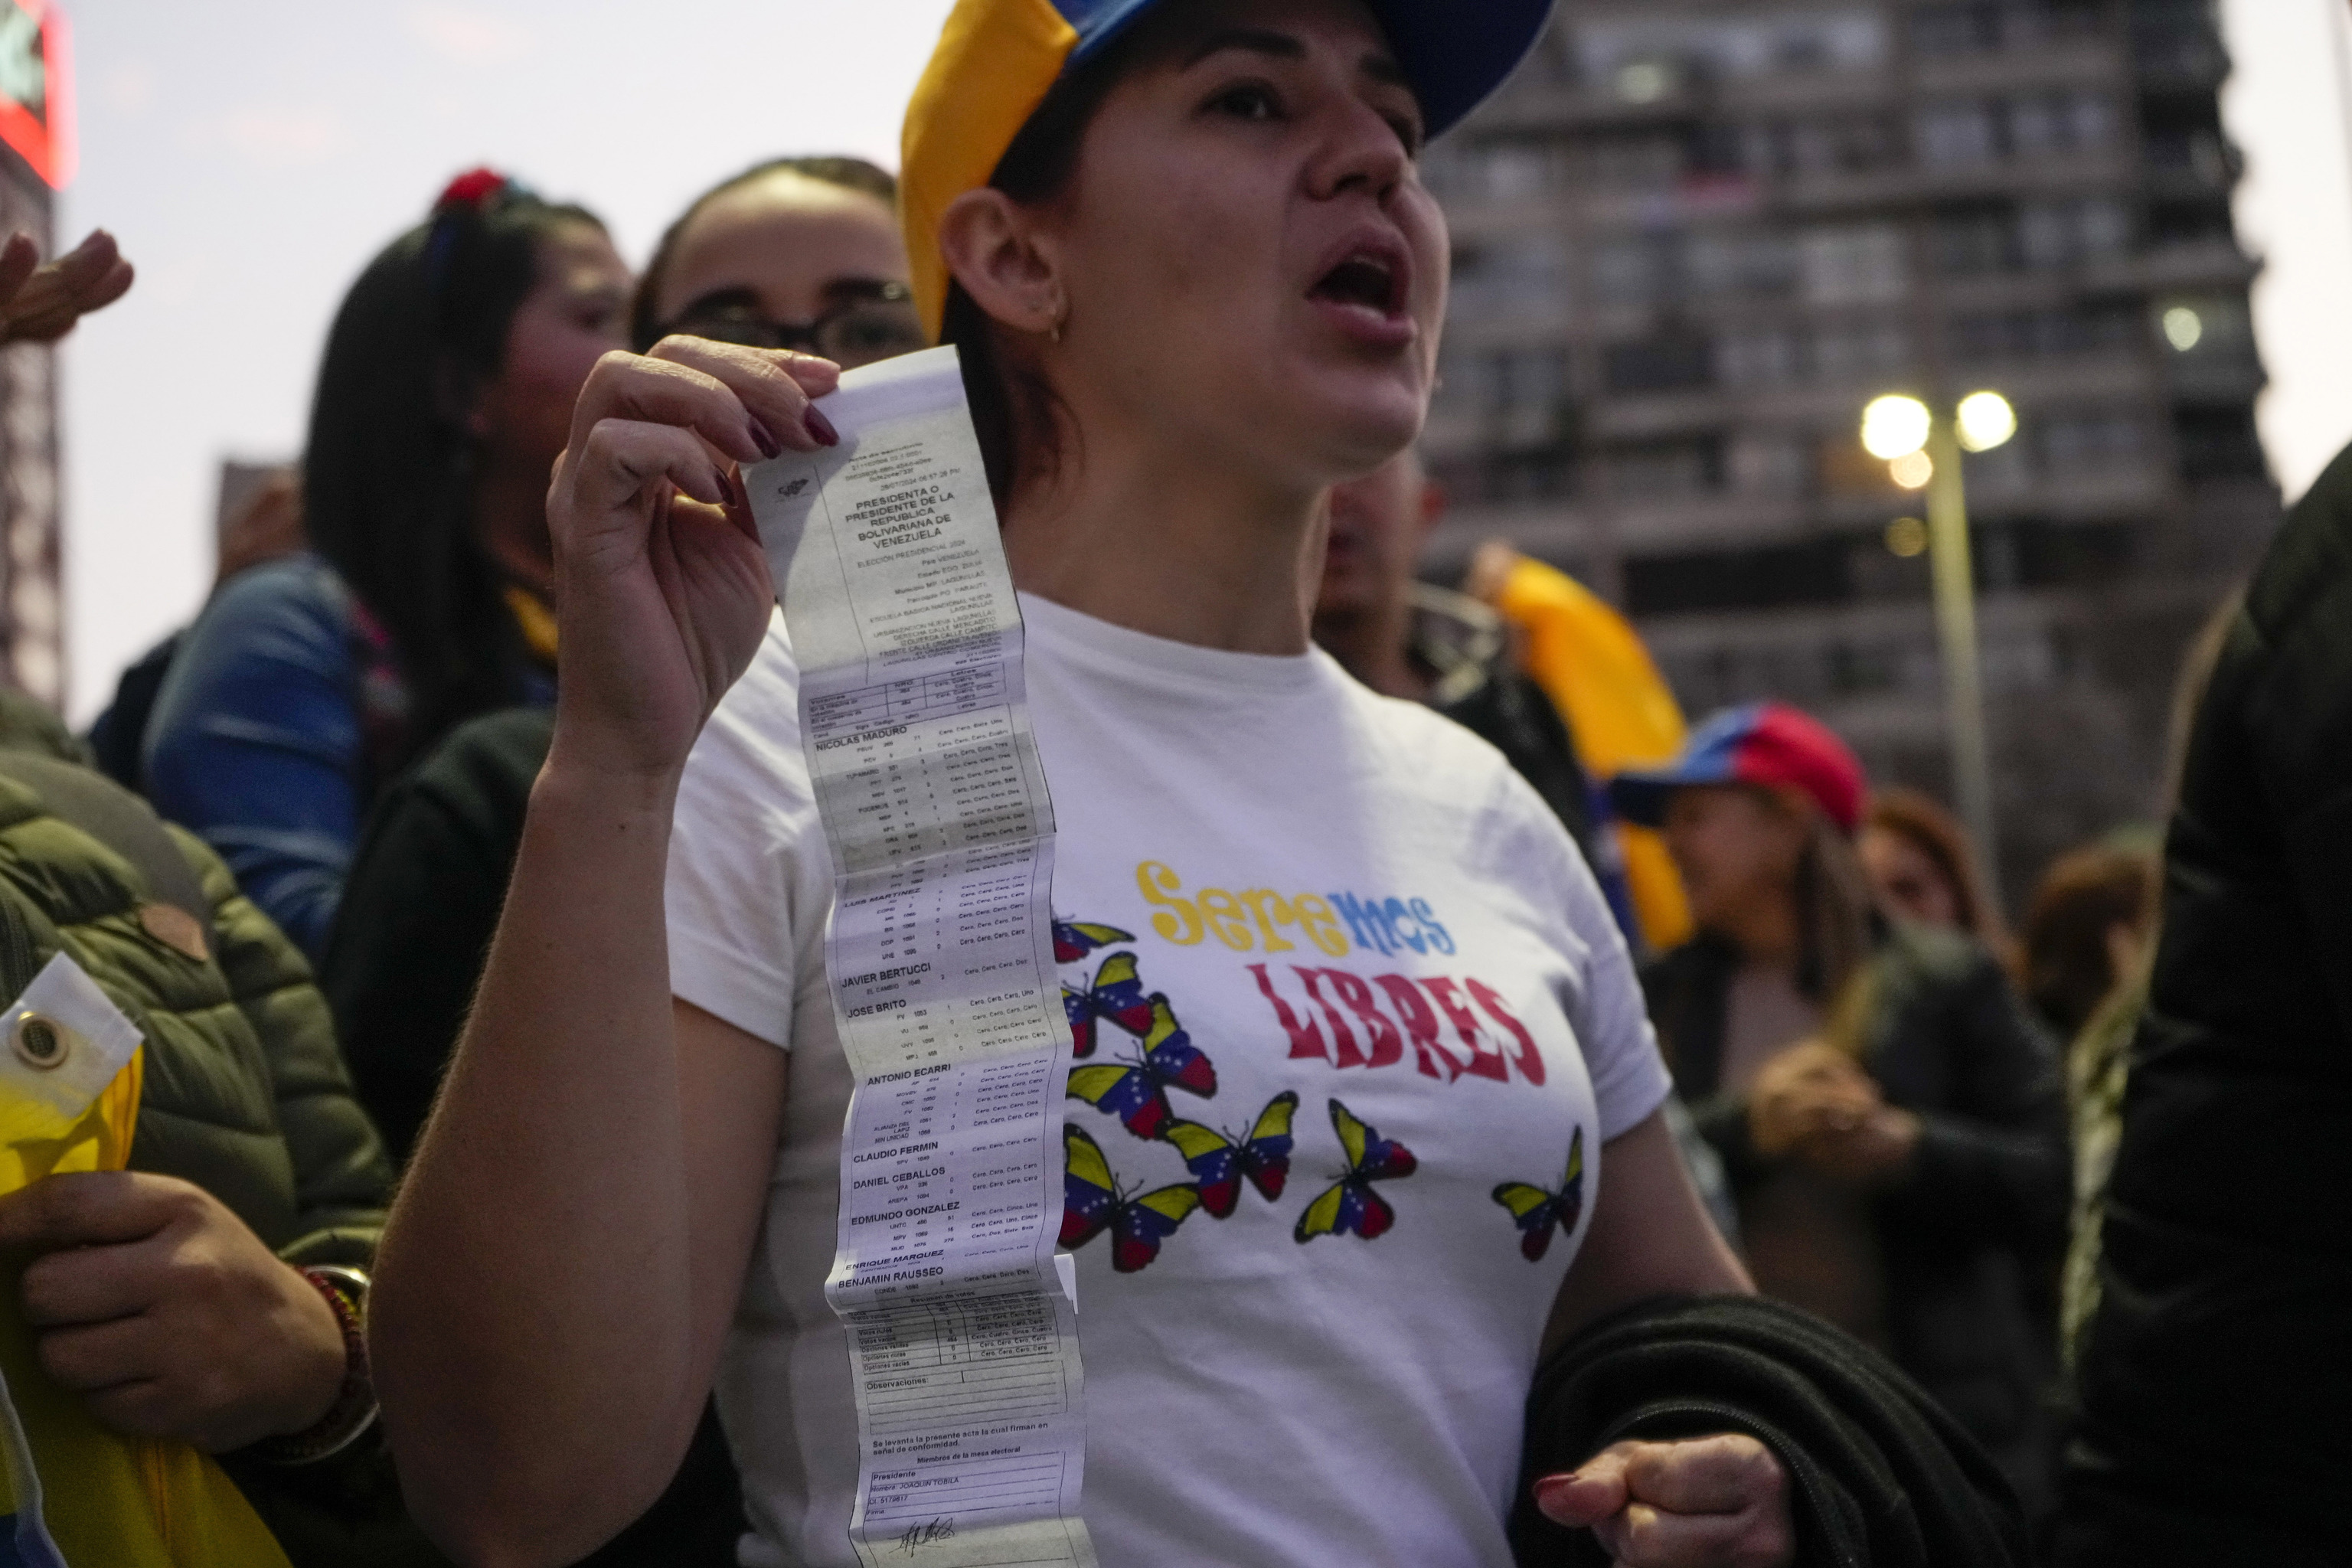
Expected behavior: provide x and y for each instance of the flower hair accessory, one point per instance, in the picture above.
(471, 191)
(471, 195)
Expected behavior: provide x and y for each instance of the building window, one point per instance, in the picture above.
(1956, 134)
(1507, 479)
(1854, 265)
(1763, 357)
(2087, 440)
(1667, 471)
(1636, 271)
(2047, 236)
(1645, 161)
(1818, 146)
(1981, 26)
(1863, 351)
(1768, 465)
(2041, 334)
(1518, 275)
(1484, 382)
(1967, 132)
(1851, 354)
(1497, 171)
(1814, 572)
(1742, 264)
(1668, 362)
(2060, 233)
(1613, 53)
(1975, 241)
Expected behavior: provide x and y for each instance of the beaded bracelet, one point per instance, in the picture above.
(353, 1411)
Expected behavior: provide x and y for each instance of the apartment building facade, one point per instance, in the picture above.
(35, 158)
(1693, 238)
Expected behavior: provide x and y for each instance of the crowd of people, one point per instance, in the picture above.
(460, 869)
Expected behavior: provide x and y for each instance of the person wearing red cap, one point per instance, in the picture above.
(1891, 1117)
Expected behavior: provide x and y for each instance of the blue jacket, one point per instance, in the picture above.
(260, 738)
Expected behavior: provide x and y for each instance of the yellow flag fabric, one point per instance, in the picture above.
(1592, 663)
(108, 1501)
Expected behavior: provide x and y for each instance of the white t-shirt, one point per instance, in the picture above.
(1342, 898)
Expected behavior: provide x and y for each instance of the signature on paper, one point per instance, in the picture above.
(930, 1534)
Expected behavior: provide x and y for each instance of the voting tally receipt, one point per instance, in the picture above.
(963, 1322)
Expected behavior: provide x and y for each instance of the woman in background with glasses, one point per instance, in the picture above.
(443, 401)
(799, 253)
(795, 253)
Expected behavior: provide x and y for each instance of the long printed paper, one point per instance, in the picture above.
(964, 1333)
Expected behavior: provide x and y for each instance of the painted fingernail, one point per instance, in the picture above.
(763, 437)
(820, 427)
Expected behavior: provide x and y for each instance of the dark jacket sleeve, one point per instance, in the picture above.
(343, 1183)
(420, 909)
(1992, 1165)
(415, 927)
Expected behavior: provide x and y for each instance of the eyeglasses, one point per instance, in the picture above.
(877, 327)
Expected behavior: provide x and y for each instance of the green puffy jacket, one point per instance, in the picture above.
(246, 1093)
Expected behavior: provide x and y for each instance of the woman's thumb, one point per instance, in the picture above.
(1580, 1498)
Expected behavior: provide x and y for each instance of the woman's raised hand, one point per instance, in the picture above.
(1705, 1502)
(661, 587)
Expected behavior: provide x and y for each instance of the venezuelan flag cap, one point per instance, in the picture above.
(1764, 743)
(996, 58)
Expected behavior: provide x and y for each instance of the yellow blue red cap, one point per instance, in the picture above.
(997, 58)
(1763, 743)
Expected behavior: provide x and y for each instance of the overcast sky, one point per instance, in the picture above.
(252, 156)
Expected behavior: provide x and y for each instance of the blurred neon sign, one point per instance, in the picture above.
(36, 87)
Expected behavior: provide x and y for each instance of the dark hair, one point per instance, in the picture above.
(1927, 828)
(1833, 912)
(387, 473)
(2067, 968)
(1015, 412)
(849, 174)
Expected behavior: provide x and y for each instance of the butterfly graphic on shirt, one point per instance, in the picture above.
(1219, 1161)
(1073, 940)
(1539, 1212)
(1116, 993)
(1092, 1203)
(1350, 1204)
(1137, 1091)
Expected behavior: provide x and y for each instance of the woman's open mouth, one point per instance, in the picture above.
(1366, 290)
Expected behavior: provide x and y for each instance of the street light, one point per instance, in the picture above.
(1895, 427)
(1921, 449)
(1984, 420)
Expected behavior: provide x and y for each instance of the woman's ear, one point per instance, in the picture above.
(993, 250)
